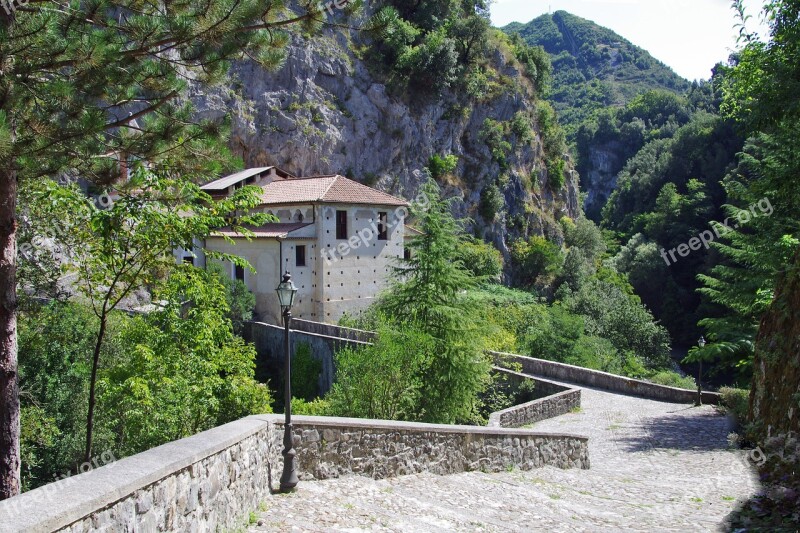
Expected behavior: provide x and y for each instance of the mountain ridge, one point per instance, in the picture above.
(593, 66)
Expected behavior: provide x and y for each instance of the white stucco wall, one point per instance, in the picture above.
(356, 270)
(340, 275)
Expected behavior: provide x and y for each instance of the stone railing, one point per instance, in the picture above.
(268, 340)
(553, 399)
(330, 330)
(604, 380)
(213, 480)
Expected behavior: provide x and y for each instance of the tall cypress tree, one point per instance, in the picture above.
(86, 86)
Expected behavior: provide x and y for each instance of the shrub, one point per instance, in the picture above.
(441, 165)
(493, 134)
(492, 201)
(537, 260)
(482, 259)
(521, 127)
(555, 173)
(241, 302)
(317, 407)
(736, 402)
(384, 380)
(672, 379)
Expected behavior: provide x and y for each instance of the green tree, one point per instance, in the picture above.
(55, 365)
(117, 250)
(538, 261)
(241, 301)
(427, 294)
(385, 380)
(482, 259)
(182, 369)
(89, 87)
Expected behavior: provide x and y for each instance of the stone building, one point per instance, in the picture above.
(337, 238)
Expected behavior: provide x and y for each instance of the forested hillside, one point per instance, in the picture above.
(593, 67)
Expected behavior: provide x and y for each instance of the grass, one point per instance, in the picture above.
(253, 518)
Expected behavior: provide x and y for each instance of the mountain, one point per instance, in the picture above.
(336, 107)
(593, 67)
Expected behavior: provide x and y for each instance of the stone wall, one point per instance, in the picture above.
(604, 380)
(333, 447)
(213, 480)
(553, 399)
(206, 482)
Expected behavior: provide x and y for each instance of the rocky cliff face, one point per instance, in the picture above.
(605, 162)
(326, 112)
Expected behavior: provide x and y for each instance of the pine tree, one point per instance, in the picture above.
(428, 295)
(86, 87)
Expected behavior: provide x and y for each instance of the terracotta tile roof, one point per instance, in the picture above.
(325, 189)
(267, 231)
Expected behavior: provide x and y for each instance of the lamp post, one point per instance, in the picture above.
(286, 293)
(699, 401)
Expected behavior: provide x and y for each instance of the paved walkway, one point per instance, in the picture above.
(655, 467)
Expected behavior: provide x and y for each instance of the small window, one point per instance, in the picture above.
(341, 225)
(188, 259)
(383, 226)
(406, 254)
(300, 256)
(239, 272)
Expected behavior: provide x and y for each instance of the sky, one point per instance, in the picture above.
(690, 36)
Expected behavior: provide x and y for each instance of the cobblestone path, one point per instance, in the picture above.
(655, 467)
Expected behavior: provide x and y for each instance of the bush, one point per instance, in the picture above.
(673, 379)
(318, 407)
(493, 134)
(521, 127)
(382, 381)
(736, 402)
(492, 201)
(482, 259)
(555, 173)
(241, 302)
(441, 165)
(537, 260)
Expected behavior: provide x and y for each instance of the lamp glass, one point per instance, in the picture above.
(286, 292)
(701, 342)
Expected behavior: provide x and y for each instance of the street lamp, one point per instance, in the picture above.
(286, 293)
(699, 401)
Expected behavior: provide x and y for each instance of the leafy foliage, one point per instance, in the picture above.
(428, 47)
(537, 262)
(480, 258)
(442, 165)
(384, 381)
(182, 370)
